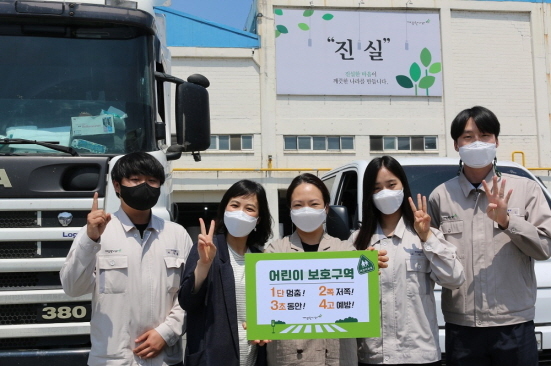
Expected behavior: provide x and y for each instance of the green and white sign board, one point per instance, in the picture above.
(312, 295)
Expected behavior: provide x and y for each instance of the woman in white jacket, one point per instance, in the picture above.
(419, 257)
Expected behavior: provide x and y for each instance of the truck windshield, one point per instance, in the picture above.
(88, 88)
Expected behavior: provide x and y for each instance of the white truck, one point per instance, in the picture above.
(424, 174)
(82, 84)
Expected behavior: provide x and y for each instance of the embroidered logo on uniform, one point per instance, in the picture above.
(113, 250)
(450, 217)
(174, 252)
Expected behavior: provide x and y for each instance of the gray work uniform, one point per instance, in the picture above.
(500, 285)
(318, 352)
(409, 327)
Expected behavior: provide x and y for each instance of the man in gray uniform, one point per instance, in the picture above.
(500, 224)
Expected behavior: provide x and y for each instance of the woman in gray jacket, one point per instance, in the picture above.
(419, 258)
(308, 199)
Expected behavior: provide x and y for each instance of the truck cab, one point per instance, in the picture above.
(82, 85)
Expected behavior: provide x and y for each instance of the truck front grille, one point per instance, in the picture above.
(18, 343)
(15, 219)
(17, 250)
(44, 342)
(29, 280)
(18, 314)
(35, 219)
(33, 249)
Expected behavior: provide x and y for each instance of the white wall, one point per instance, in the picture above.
(494, 54)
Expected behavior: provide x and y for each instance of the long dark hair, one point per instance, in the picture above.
(263, 230)
(370, 214)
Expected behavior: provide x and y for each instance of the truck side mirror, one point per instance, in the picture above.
(192, 117)
(337, 223)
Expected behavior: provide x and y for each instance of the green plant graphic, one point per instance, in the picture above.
(415, 79)
(347, 320)
(281, 29)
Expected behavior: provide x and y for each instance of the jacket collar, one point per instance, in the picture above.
(296, 243)
(222, 246)
(467, 187)
(155, 223)
(398, 232)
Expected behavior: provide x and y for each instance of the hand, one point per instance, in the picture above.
(205, 246)
(260, 342)
(152, 344)
(96, 220)
(381, 256)
(422, 218)
(497, 202)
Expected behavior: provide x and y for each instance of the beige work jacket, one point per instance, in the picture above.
(134, 284)
(314, 352)
(500, 286)
(409, 328)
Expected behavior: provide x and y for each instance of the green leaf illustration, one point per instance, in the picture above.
(435, 68)
(308, 12)
(426, 82)
(327, 16)
(303, 26)
(426, 57)
(278, 33)
(404, 81)
(278, 11)
(282, 29)
(415, 71)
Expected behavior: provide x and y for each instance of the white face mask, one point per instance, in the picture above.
(238, 223)
(308, 219)
(478, 154)
(388, 201)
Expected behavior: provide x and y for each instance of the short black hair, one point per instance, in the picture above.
(370, 214)
(246, 188)
(137, 163)
(485, 120)
(310, 179)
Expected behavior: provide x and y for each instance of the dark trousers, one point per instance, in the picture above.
(509, 345)
(179, 364)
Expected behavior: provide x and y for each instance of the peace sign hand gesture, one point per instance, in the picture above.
(422, 218)
(96, 220)
(497, 202)
(205, 246)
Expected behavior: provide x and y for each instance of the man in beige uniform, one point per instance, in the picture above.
(131, 263)
(500, 224)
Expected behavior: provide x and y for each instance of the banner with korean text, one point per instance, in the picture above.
(334, 52)
(312, 295)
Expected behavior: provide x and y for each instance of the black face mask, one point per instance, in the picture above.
(141, 197)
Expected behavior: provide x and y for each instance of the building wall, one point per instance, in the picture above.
(494, 54)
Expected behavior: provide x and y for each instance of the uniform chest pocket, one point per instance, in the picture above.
(452, 227)
(418, 278)
(174, 269)
(113, 274)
